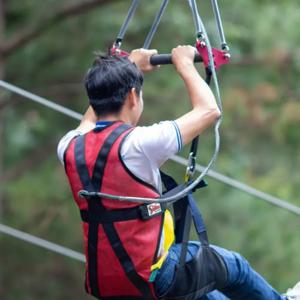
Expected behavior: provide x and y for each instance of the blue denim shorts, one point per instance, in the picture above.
(165, 275)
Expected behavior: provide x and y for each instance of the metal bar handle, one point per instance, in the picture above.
(166, 59)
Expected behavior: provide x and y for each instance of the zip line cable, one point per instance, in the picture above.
(40, 100)
(41, 243)
(180, 160)
(243, 187)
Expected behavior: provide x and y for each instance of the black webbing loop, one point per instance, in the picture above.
(208, 75)
(194, 146)
(186, 233)
(125, 25)
(155, 24)
(198, 220)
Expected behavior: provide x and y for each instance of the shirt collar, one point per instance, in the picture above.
(101, 124)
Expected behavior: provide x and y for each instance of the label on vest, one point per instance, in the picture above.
(153, 209)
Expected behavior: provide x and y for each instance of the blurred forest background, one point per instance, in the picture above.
(47, 46)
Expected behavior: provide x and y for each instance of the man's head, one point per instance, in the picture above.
(111, 82)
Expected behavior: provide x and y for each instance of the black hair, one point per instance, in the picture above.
(109, 81)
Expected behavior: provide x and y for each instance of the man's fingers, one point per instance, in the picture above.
(153, 51)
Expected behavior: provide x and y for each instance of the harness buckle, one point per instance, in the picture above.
(151, 210)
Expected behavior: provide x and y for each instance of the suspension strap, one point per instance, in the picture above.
(197, 23)
(217, 14)
(125, 25)
(192, 212)
(220, 57)
(155, 24)
(185, 210)
(191, 168)
(115, 49)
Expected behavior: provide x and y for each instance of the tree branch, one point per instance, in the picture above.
(23, 37)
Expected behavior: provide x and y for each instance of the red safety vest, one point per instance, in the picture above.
(121, 239)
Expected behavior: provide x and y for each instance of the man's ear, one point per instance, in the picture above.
(132, 98)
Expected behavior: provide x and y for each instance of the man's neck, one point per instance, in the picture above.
(113, 118)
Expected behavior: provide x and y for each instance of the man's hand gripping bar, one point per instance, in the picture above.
(166, 59)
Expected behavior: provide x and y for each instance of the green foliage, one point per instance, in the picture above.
(260, 138)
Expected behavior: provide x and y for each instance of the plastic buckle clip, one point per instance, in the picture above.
(151, 210)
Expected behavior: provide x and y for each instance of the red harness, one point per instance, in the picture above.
(121, 239)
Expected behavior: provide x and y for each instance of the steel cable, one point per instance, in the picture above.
(127, 20)
(41, 243)
(155, 24)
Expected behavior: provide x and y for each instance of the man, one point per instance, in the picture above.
(128, 258)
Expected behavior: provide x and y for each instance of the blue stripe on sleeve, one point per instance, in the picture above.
(178, 135)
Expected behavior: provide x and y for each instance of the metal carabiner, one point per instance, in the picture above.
(191, 168)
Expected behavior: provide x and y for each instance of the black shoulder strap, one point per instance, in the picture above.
(95, 207)
(82, 170)
(185, 210)
(94, 184)
(102, 156)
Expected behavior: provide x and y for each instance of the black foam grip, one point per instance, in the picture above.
(166, 59)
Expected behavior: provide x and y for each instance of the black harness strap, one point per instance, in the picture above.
(102, 156)
(79, 153)
(142, 212)
(83, 173)
(96, 208)
(185, 210)
(126, 261)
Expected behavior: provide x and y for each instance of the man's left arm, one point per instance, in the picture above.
(87, 123)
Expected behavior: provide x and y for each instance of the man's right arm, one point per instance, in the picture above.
(205, 111)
